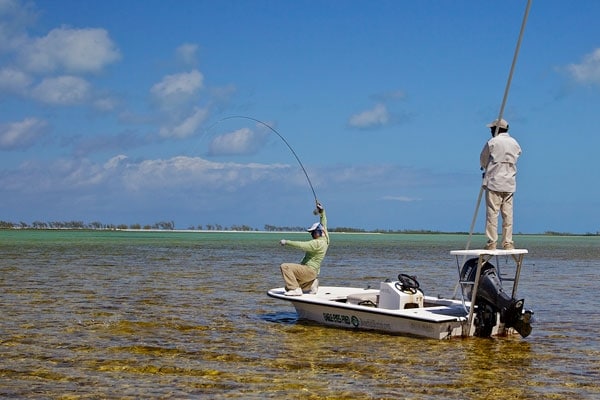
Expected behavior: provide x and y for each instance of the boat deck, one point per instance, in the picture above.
(434, 309)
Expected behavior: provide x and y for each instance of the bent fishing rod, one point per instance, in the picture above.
(280, 136)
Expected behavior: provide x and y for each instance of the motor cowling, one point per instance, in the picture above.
(492, 298)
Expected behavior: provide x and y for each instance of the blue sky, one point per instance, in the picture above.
(113, 111)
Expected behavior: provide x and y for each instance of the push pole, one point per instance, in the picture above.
(500, 115)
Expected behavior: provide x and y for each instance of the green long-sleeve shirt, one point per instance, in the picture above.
(315, 249)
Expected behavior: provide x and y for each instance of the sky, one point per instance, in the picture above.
(130, 112)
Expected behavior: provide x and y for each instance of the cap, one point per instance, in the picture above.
(500, 124)
(314, 227)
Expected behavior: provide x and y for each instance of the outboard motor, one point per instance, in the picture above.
(492, 298)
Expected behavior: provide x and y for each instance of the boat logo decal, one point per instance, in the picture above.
(341, 319)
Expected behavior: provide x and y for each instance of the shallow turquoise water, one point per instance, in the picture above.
(99, 314)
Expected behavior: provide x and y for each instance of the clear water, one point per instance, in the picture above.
(186, 315)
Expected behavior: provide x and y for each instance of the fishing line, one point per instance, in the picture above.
(280, 136)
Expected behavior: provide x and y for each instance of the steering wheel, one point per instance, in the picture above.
(407, 284)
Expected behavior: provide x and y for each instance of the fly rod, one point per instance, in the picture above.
(281, 137)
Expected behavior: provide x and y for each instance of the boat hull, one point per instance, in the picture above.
(441, 319)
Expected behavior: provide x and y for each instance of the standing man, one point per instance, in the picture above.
(302, 278)
(498, 159)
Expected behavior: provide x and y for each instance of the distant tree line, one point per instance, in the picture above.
(162, 225)
(170, 225)
(273, 228)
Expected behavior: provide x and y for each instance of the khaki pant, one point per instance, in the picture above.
(297, 275)
(499, 202)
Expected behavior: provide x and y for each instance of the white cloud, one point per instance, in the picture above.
(188, 126)
(588, 71)
(64, 90)
(13, 80)
(106, 103)
(183, 84)
(73, 50)
(377, 116)
(80, 173)
(48, 68)
(241, 141)
(403, 199)
(124, 175)
(121, 188)
(15, 17)
(186, 53)
(115, 162)
(21, 134)
(176, 98)
(195, 172)
(390, 96)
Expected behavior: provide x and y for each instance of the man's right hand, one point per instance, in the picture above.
(319, 207)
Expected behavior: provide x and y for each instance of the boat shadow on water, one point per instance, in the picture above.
(282, 317)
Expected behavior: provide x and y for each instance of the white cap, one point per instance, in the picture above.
(314, 227)
(500, 124)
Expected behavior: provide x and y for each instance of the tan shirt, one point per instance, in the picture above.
(499, 160)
